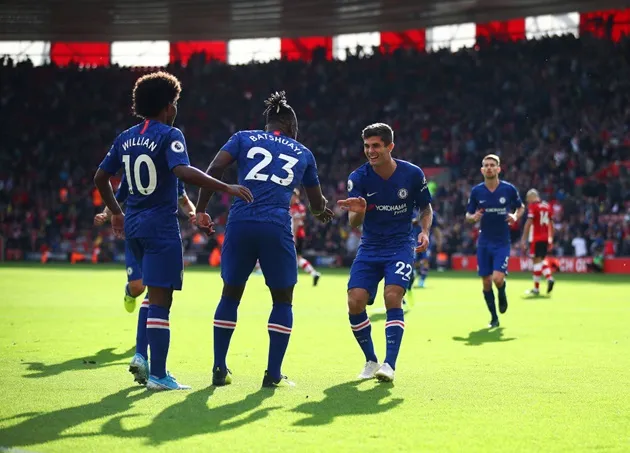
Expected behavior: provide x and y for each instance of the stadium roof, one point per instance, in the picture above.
(110, 20)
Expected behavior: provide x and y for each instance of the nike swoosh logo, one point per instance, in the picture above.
(370, 194)
(480, 202)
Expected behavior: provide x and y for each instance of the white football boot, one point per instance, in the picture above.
(369, 370)
(385, 373)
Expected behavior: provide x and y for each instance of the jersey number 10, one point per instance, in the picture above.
(255, 173)
(141, 159)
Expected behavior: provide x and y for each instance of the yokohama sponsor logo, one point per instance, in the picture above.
(395, 208)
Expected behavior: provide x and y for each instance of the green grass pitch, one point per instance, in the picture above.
(554, 377)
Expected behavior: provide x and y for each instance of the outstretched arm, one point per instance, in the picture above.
(216, 169)
(194, 176)
(317, 203)
(356, 207)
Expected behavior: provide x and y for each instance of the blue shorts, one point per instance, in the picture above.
(133, 268)
(271, 244)
(367, 271)
(161, 261)
(491, 257)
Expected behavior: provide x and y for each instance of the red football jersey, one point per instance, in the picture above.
(540, 213)
(298, 213)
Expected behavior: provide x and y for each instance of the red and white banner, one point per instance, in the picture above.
(571, 265)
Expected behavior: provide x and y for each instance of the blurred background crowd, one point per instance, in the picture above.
(556, 110)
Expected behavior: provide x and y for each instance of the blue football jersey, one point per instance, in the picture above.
(123, 190)
(496, 206)
(387, 227)
(271, 165)
(148, 152)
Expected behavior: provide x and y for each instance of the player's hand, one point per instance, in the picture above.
(192, 218)
(354, 204)
(118, 225)
(423, 243)
(100, 219)
(204, 222)
(476, 217)
(511, 219)
(325, 216)
(524, 247)
(241, 192)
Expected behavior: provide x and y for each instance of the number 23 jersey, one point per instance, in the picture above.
(271, 165)
(148, 152)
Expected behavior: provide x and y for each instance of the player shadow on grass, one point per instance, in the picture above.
(479, 337)
(103, 358)
(192, 417)
(43, 427)
(347, 400)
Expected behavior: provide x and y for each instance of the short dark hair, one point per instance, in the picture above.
(279, 112)
(381, 130)
(153, 92)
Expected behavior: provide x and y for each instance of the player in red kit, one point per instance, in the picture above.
(538, 231)
(298, 215)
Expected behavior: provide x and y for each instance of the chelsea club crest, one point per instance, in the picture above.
(403, 193)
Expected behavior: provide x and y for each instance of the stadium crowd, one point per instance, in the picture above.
(557, 111)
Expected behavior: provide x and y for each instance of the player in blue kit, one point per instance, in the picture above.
(153, 154)
(422, 258)
(134, 286)
(498, 205)
(139, 362)
(382, 196)
(271, 163)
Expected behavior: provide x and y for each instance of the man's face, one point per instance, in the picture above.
(490, 169)
(376, 151)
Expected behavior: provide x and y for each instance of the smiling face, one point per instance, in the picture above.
(376, 151)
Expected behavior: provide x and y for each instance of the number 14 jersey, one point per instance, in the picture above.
(148, 152)
(540, 213)
(271, 165)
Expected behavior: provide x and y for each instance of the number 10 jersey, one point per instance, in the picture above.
(148, 152)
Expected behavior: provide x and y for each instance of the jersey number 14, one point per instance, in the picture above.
(256, 172)
(544, 218)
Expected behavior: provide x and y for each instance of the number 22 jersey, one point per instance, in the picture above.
(387, 227)
(148, 152)
(271, 165)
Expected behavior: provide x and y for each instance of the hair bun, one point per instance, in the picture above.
(276, 100)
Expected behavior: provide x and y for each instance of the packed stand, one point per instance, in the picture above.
(556, 110)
